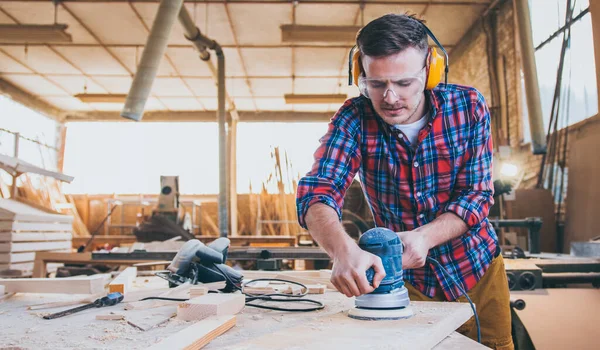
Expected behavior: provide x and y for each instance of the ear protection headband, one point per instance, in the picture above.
(436, 64)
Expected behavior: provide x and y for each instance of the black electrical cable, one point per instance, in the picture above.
(276, 297)
(435, 262)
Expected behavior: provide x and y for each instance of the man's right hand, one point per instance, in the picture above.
(349, 272)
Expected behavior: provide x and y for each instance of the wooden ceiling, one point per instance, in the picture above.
(109, 36)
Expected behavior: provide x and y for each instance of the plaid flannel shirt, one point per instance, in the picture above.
(450, 170)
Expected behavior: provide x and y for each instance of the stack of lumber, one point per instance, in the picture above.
(47, 193)
(25, 230)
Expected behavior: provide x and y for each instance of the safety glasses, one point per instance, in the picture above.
(401, 86)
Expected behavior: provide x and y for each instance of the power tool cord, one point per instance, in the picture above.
(459, 286)
(274, 297)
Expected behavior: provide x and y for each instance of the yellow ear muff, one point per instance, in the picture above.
(435, 68)
(356, 67)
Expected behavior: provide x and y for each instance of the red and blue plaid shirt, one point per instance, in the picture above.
(450, 170)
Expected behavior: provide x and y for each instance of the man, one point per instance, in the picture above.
(424, 160)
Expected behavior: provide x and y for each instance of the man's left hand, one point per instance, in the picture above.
(416, 248)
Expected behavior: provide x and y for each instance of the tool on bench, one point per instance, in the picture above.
(196, 262)
(390, 301)
(109, 300)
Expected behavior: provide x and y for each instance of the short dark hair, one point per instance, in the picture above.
(390, 34)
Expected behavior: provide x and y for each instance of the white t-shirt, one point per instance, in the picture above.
(411, 131)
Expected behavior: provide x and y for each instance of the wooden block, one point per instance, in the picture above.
(34, 236)
(75, 285)
(34, 226)
(197, 291)
(197, 335)
(293, 289)
(110, 317)
(209, 305)
(316, 288)
(34, 246)
(123, 281)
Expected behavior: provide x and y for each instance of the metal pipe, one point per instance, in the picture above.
(152, 55)
(532, 90)
(202, 43)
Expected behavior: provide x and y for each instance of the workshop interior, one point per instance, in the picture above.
(151, 153)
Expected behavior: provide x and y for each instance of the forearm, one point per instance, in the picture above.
(325, 228)
(443, 229)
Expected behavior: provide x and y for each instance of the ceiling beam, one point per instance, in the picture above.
(30, 101)
(202, 116)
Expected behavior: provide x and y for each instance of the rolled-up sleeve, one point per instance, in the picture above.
(474, 190)
(336, 162)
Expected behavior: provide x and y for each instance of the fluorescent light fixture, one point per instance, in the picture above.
(34, 33)
(312, 99)
(293, 33)
(101, 98)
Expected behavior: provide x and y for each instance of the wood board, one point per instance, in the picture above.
(123, 281)
(433, 321)
(197, 335)
(25, 236)
(73, 285)
(34, 246)
(35, 226)
(211, 304)
(12, 210)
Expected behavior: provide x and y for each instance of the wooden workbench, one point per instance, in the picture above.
(27, 329)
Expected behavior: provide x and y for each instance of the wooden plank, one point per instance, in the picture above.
(123, 281)
(432, 322)
(34, 246)
(86, 300)
(148, 319)
(17, 211)
(197, 335)
(110, 317)
(34, 226)
(35, 236)
(178, 292)
(211, 305)
(75, 285)
(7, 258)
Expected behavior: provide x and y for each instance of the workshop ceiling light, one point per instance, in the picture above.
(101, 98)
(34, 33)
(293, 33)
(312, 99)
(509, 170)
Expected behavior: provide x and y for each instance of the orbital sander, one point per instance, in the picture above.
(389, 301)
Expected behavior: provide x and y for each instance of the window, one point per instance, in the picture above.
(579, 90)
(129, 158)
(30, 124)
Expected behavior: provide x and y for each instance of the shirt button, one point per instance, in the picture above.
(416, 164)
(418, 194)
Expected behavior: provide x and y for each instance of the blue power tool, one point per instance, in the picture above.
(390, 299)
